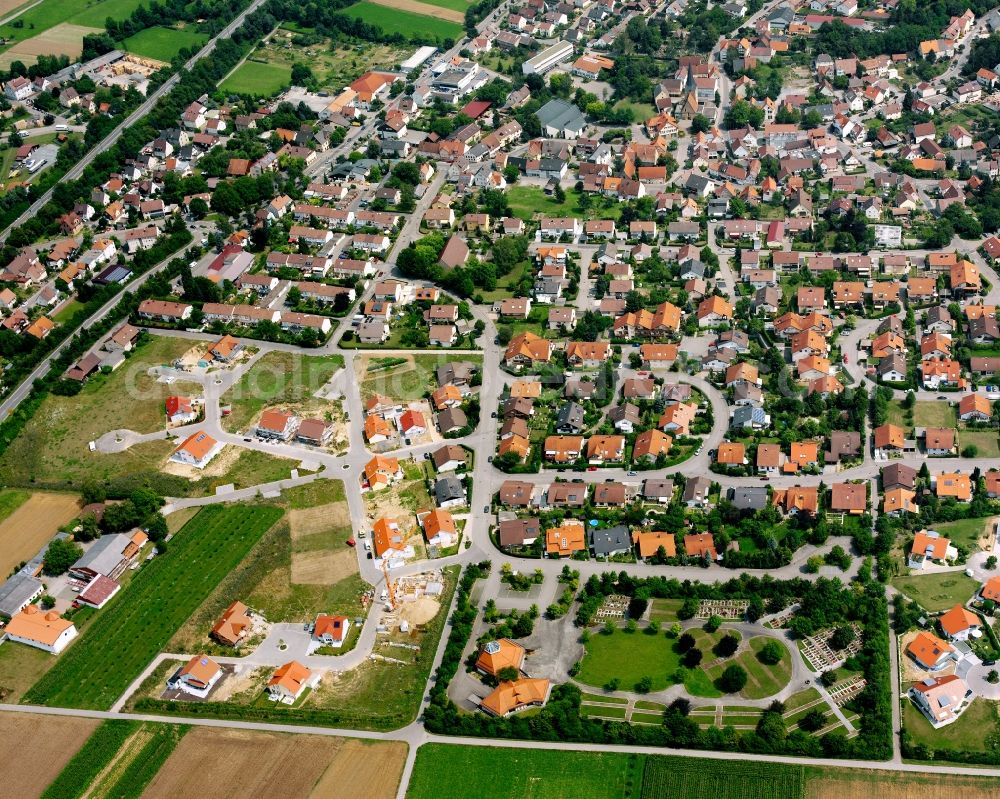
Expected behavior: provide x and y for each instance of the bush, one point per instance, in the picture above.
(685, 642)
(812, 721)
(828, 678)
(727, 646)
(712, 624)
(645, 685)
(733, 679)
(771, 653)
(842, 637)
(692, 658)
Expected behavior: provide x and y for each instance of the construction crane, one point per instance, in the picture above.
(389, 586)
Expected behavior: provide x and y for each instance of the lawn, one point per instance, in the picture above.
(631, 656)
(936, 592)
(278, 378)
(393, 20)
(763, 680)
(977, 722)
(53, 451)
(163, 44)
(736, 779)
(507, 284)
(640, 111)
(254, 78)
(933, 414)
(665, 610)
(965, 532)
(896, 414)
(122, 640)
(628, 657)
(987, 443)
(465, 771)
(66, 312)
(526, 201)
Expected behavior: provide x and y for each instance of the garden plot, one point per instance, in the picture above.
(845, 691)
(614, 607)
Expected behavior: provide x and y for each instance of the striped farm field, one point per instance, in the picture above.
(124, 638)
(454, 9)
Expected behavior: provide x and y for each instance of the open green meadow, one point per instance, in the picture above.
(393, 20)
(163, 44)
(939, 591)
(135, 626)
(252, 77)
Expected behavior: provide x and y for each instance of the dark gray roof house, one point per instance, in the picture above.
(658, 490)
(610, 541)
(570, 418)
(449, 490)
(19, 590)
(748, 497)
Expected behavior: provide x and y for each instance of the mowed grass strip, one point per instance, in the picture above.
(501, 773)
(137, 624)
(393, 20)
(163, 44)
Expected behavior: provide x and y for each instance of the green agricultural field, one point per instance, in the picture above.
(252, 77)
(124, 638)
(163, 44)
(936, 592)
(698, 778)
(393, 20)
(465, 771)
(49, 13)
(279, 378)
(933, 414)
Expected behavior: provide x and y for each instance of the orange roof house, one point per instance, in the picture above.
(929, 651)
(700, 545)
(369, 85)
(804, 453)
(991, 589)
(888, 436)
(959, 622)
(848, 498)
(381, 471)
(899, 500)
(511, 697)
(331, 629)
(953, 484)
(928, 545)
(495, 656)
(566, 539)
(196, 450)
(440, 525)
(233, 626)
(377, 429)
(289, 681)
(519, 445)
(651, 444)
(800, 499)
(649, 543)
(386, 536)
(677, 418)
(200, 673)
(731, 454)
(563, 449)
(606, 448)
(526, 349)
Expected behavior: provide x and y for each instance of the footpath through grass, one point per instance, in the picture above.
(136, 625)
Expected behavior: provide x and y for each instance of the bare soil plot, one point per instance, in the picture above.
(415, 7)
(378, 779)
(283, 766)
(323, 568)
(887, 785)
(27, 529)
(420, 611)
(307, 521)
(44, 745)
(64, 39)
(6, 6)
